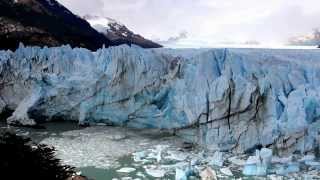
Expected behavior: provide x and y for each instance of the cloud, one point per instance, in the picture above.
(308, 39)
(82, 7)
(209, 20)
(174, 39)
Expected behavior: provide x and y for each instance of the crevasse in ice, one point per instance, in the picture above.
(229, 99)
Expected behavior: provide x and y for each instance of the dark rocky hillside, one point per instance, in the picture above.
(47, 23)
(42, 22)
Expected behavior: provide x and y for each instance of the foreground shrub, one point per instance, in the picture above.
(20, 159)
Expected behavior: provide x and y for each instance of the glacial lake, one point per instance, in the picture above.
(100, 152)
(119, 145)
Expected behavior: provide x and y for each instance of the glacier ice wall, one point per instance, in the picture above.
(230, 99)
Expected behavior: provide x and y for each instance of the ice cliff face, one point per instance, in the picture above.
(227, 99)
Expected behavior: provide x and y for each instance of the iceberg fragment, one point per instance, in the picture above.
(258, 165)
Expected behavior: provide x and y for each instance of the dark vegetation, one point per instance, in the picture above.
(21, 159)
(6, 112)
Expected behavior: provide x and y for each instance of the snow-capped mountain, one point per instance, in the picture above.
(117, 32)
(48, 23)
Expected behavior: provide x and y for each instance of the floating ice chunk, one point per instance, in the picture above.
(157, 173)
(313, 164)
(100, 124)
(309, 157)
(126, 170)
(237, 161)
(226, 171)
(217, 159)
(281, 160)
(178, 156)
(126, 178)
(195, 161)
(183, 172)
(177, 165)
(258, 165)
(24, 134)
(288, 168)
(208, 174)
(140, 174)
(180, 174)
(139, 156)
(156, 153)
(253, 167)
(159, 157)
(275, 177)
(266, 155)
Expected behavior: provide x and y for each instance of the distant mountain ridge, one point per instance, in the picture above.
(306, 40)
(47, 23)
(118, 32)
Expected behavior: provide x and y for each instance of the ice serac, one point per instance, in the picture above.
(225, 99)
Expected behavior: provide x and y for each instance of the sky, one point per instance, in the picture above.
(208, 21)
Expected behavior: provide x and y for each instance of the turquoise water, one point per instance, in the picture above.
(108, 174)
(55, 129)
(98, 174)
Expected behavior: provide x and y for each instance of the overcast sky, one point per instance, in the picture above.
(209, 20)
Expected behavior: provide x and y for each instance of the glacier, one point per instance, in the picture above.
(223, 99)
